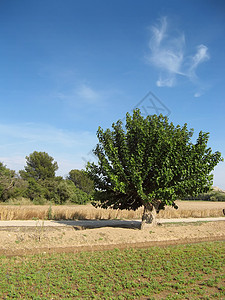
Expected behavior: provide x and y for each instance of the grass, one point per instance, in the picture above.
(175, 272)
(83, 212)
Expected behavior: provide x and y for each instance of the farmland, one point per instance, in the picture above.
(175, 272)
(71, 238)
(196, 209)
(54, 262)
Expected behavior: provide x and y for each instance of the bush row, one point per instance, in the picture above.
(211, 196)
(53, 189)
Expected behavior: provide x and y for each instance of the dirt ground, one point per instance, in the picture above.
(43, 239)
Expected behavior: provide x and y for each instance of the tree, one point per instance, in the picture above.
(11, 185)
(81, 180)
(149, 163)
(68, 192)
(7, 181)
(35, 191)
(56, 190)
(39, 166)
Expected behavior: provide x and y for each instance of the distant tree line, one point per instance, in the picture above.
(39, 183)
(210, 196)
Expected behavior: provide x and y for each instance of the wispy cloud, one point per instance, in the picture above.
(81, 94)
(67, 147)
(42, 134)
(197, 94)
(200, 56)
(88, 93)
(168, 55)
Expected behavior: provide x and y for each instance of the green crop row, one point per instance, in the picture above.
(176, 272)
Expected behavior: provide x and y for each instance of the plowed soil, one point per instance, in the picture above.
(43, 239)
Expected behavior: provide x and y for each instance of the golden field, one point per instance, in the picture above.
(186, 209)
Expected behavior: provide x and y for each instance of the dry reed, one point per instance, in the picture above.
(88, 212)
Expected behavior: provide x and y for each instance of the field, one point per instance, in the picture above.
(175, 272)
(121, 233)
(68, 262)
(83, 212)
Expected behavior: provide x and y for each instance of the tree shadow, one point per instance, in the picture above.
(91, 224)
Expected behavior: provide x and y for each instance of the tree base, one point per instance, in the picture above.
(149, 216)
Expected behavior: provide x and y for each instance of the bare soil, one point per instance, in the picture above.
(42, 239)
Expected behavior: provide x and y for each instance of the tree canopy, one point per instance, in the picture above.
(81, 180)
(40, 165)
(150, 163)
(39, 184)
(6, 181)
(10, 183)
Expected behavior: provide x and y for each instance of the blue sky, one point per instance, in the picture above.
(67, 67)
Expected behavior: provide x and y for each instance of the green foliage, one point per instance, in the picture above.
(50, 215)
(177, 272)
(11, 186)
(55, 190)
(61, 191)
(39, 166)
(79, 197)
(6, 181)
(81, 180)
(43, 185)
(51, 189)
(39, 183)
(150, 159)
(210, 196)
(64, 192)
(35, 191)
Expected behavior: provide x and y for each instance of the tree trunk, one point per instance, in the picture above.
(149, 214)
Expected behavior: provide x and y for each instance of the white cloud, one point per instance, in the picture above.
(168, 81)
(200, 56)
(197, 95)
(86, 92)
(15, 162)
(38, 133)
(67, 147)
(167, 54)
(81, 94)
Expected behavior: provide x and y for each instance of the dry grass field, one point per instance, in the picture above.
(199, 209)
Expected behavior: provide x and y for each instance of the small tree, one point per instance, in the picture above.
(7, 181)
(11, 186)
(150, 163)
(35, 191)
(81, 180)
(68, 192)
(39, 166)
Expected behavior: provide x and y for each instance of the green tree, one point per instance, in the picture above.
(50, 185)
(60, 191)
(81, 180)
(149, 163)
(35, 191)
(39, 166)
(7, 181)
(11, 186)
(78, 196)
(63, 192)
